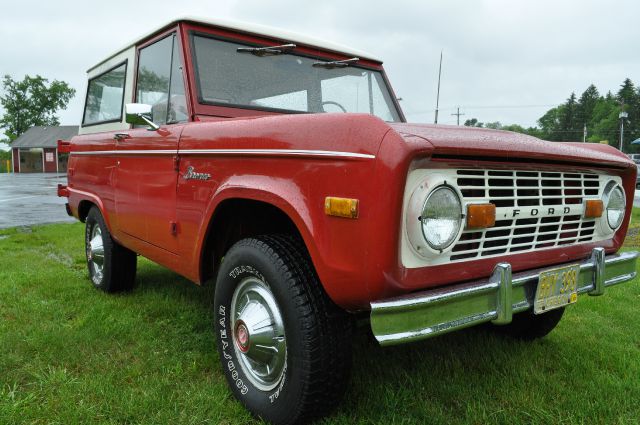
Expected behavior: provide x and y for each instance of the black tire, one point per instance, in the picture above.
(528, 326)
(118, 269)
(317, 333)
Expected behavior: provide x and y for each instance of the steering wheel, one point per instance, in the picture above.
(331, 102)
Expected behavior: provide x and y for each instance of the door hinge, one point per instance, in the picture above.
(176, 163)
(174, 227)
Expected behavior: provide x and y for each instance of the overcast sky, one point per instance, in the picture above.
(504, 60)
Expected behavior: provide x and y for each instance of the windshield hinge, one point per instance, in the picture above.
(267, 51)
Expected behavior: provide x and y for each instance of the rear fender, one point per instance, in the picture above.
(77, 197)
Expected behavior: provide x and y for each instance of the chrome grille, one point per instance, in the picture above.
(540, 190)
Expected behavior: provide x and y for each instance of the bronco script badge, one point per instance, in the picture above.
(192, 175)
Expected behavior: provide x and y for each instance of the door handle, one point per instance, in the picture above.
(121, 136)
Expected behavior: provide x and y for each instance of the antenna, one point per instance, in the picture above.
(438, 96)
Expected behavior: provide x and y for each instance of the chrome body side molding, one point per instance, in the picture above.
(233, 152)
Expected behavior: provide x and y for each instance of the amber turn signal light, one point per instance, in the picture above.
(341, 207)
(480, 216)
(593, 208)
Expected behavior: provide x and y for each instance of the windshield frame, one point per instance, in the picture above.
(229, 109)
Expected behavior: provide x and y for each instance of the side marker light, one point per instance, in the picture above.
(341, 207)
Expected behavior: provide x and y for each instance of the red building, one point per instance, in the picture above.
(36, 151)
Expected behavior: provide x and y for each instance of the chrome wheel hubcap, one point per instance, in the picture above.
(258, 333)
(95, 254)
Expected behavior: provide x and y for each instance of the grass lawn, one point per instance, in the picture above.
(70, 354)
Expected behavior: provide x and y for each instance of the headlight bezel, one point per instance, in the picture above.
(419, 198)
(609, 188)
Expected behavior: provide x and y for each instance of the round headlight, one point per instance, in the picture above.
(614, 204)
(441, 217)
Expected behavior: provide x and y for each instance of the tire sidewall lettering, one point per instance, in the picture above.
(237, 274)
(225, 348)
(241, 270)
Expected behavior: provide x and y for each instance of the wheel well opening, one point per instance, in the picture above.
(236, 219)
(83, 209)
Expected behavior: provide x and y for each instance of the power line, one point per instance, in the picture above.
(580, 130)
(484, 107)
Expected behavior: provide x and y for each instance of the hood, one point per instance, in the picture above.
(480, 142)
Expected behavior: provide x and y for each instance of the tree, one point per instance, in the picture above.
(550, 123)
(570, 129)
(627, 93)
(31, 102)
(473, 122)
(604, 121)
(630, 103)
(586, 104)
(515, 128)
(599, 113)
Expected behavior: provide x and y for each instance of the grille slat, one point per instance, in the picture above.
(521, 235)
(559, 242)
(522, 190)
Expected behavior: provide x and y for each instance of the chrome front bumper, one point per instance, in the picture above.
(425, 314)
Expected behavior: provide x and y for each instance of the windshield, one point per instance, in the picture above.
(285, 82)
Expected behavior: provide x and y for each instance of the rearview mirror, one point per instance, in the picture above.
(139, 114)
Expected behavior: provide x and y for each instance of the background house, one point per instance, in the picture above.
(36, 150)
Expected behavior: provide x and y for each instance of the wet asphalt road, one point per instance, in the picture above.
(27, 199)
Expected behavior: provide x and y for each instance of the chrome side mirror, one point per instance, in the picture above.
(139, 114)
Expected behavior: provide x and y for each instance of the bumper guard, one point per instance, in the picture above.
(429, 313)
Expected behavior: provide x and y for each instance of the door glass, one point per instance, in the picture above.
(160, 83)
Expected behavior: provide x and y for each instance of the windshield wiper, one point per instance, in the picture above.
(267, 51)
(335, 64)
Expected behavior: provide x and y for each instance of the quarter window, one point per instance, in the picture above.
(105, 96)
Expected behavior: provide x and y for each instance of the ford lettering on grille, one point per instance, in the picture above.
(534, 212)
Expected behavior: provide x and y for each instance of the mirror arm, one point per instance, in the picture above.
(152, 126)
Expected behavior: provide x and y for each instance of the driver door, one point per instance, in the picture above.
(147, 175)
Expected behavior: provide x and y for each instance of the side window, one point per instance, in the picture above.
(160, 82)
(105, 96)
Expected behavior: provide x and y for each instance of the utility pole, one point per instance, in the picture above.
(457, 114)
(622, 116)
(584, 133)
(438, 95)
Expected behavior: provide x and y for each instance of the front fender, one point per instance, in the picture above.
(329, 240)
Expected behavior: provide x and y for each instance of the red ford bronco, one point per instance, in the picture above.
(281, 168)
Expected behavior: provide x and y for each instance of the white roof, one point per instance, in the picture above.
(255, 29)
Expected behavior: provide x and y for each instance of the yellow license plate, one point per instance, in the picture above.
(556, 288)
